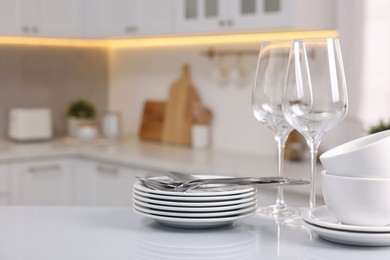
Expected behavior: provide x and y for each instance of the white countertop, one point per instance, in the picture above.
(158, 157)
(119, 233)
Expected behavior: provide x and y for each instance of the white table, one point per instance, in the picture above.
(119, 233)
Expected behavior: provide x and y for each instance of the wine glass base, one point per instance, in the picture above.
(294, 222)
(282, 213)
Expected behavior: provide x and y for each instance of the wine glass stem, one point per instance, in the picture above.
(281, 141)
(313, 146)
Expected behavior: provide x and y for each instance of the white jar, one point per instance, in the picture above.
(111, 125)
(87, 132)
(200, 136)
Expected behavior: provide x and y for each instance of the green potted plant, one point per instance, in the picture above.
(381, 126)
(80, 112)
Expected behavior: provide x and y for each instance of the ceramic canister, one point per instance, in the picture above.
(111, 125)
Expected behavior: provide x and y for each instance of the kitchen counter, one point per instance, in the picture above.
(119, 233)
(156, 157)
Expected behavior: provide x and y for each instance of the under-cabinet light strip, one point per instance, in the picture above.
(55, 42)
(168, 41)
(217, 39)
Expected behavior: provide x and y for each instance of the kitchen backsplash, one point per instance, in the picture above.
(137, 75)
(37, 76)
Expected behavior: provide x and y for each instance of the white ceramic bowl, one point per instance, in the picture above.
(357, 201)
(368, 156)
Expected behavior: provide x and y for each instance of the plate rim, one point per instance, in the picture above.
(196, 198)
(200, 220)
(195, 215)
(195, 204)
(197, 209)
(350, 237)
(339, 226)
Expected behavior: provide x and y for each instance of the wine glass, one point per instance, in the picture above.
(315, 98)
(267, 108)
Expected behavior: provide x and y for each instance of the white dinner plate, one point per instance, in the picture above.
(194, 222)
(216, 190)
(321, 216)
(351, 237)
(194, 198)
(194, 214)
(194, 204)
(194, 209)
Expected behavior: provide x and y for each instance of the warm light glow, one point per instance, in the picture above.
(56, 42)
(217, 39)
(168, 41)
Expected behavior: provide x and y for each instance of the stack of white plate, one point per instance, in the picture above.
(197, 208)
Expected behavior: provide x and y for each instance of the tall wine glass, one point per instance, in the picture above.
(315, 98)
(267, 108)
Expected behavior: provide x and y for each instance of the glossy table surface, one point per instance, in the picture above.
(48, 232)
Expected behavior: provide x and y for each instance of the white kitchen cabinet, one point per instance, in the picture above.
(155, 16)
(43, 182)
(57, 18)
(121, 18)
(54, 18)
(4, 184)
(105, 184)
(10, 17)
(250, 15)
(200, 15)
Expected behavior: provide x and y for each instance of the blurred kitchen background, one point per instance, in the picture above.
(118, 54)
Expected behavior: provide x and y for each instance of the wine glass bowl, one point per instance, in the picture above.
(315, 97)
(269, 86)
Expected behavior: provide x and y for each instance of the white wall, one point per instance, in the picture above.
(376, 62)
(364, 35)
(140, 74)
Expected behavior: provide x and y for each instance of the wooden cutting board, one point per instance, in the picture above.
(178, 117)
(152, 120)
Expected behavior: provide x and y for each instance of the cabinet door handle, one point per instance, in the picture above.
(25, 29)
(107, 169)
(221, 23)
(35, 29)
(229, 23)
(130, 29)
(44, 168)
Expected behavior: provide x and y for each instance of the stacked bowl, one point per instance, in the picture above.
(356, 181)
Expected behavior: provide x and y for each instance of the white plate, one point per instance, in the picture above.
(351, 237)
(194, 222)
(194, 214)
(194, 198)
(322, 217)
(194, 209)
(217, 190)
(194, 204)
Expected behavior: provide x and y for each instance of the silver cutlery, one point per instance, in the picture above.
(178, 176)
(174, 185)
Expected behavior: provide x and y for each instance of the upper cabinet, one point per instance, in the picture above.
(126, 18)
(10, 17)
(121, 18)
(249, 15)
(57, 18)
(54, 18)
